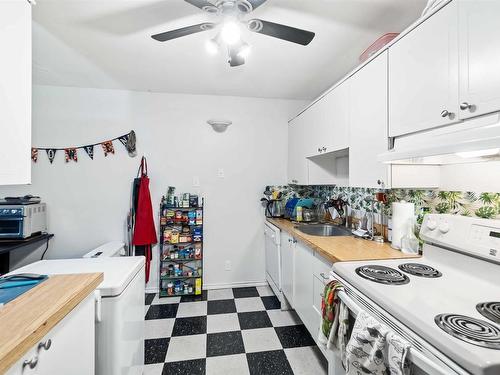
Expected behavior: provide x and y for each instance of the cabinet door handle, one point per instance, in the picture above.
(45, 345)
(466, 106)
(324, 148)
(31, 363)
(319, 149)
(446, 113)
(322, 274)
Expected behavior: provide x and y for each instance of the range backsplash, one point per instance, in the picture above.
(479, 204)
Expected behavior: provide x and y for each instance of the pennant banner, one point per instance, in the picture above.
(108, 147)
(89, 150)
(51, 154)
(71, 153)
(34, 154)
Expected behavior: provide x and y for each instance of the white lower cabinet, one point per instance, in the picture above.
(310, 276)
(287, 261)
(303, 281)
(69, 348)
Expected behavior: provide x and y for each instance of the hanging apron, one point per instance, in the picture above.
(144, 229)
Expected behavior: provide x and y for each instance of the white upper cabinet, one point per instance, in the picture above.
(297, 137)
(368, 119)
(329, 125)
(479, 36)
(15, 92)
(423, 74)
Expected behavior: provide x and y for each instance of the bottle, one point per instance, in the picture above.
(409, 242)
(299, 213)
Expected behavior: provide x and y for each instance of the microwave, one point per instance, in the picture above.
(19, 221)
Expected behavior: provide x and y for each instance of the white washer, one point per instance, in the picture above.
(120, 326)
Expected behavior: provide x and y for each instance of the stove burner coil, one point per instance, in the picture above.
(421, 270)
(382, 275)
(474, 331)
(490, 310)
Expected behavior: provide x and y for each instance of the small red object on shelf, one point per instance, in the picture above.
(377, 45)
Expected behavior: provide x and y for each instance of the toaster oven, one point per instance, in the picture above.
(19, 221)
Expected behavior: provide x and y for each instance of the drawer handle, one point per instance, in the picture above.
(322, 274)
(45, 345)
(31, 363)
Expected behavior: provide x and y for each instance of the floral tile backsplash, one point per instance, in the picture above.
(478, 204)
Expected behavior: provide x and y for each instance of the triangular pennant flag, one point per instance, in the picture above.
(108, 147)
(51, 154)
(128, 140)
(89, 150)
(124, 139)
(34, 154)
(70, 154)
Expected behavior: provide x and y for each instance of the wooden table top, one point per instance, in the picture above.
(28, 318)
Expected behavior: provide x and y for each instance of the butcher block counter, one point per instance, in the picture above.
(341, 248)
(28, 318)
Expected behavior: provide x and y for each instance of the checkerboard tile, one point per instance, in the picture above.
(227, 331)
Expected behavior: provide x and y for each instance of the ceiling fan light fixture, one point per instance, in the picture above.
(230, 32)
(244, 50)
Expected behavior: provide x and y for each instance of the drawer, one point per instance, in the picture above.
(318, 289)
(321, 267)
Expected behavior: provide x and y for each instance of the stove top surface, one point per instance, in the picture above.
(474, 331)
(418, 269)
(382, 274)
(438, 302)
(490, 310)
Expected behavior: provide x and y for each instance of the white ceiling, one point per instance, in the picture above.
(107, 44)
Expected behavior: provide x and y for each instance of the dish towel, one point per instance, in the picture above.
(330, 307)
(374, 350)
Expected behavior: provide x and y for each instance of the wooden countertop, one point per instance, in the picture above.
(342, 248)
(27, 319)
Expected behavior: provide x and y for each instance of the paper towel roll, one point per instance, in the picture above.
(402, 212)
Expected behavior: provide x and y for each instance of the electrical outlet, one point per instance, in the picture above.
(196, 181)
(220, 173)
(228, 265)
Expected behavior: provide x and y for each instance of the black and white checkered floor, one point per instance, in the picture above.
(227, 331)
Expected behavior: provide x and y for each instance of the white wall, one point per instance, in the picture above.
(88, 201)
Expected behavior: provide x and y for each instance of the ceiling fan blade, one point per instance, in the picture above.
(203, 5)
(173, 34)
(276, 30)
(256, 3)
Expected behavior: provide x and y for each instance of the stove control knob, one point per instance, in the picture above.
(444, 228)
(431, 224)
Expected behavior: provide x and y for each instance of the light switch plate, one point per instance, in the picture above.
(220, 173)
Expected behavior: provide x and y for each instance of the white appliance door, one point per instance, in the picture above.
(272, 246)
(120, 333)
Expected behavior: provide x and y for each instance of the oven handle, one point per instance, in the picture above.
(11, 218)
(413, 355)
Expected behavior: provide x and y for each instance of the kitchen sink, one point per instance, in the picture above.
(323, 230)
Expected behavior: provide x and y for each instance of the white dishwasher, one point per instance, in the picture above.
(273, 258)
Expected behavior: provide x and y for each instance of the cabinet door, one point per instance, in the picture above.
(287, 262)
(15, 92)
(303, 282)
(72, 343)
(479, 33)
(368, 135)
(329, 122)
(423, 75)
(297, 162)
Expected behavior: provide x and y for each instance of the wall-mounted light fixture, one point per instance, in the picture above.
(219, 125)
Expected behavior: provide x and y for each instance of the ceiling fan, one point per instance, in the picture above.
(232, 13)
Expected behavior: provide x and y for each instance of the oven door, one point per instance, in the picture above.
(11, 224)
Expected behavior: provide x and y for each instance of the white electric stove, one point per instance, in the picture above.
(446, 304)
